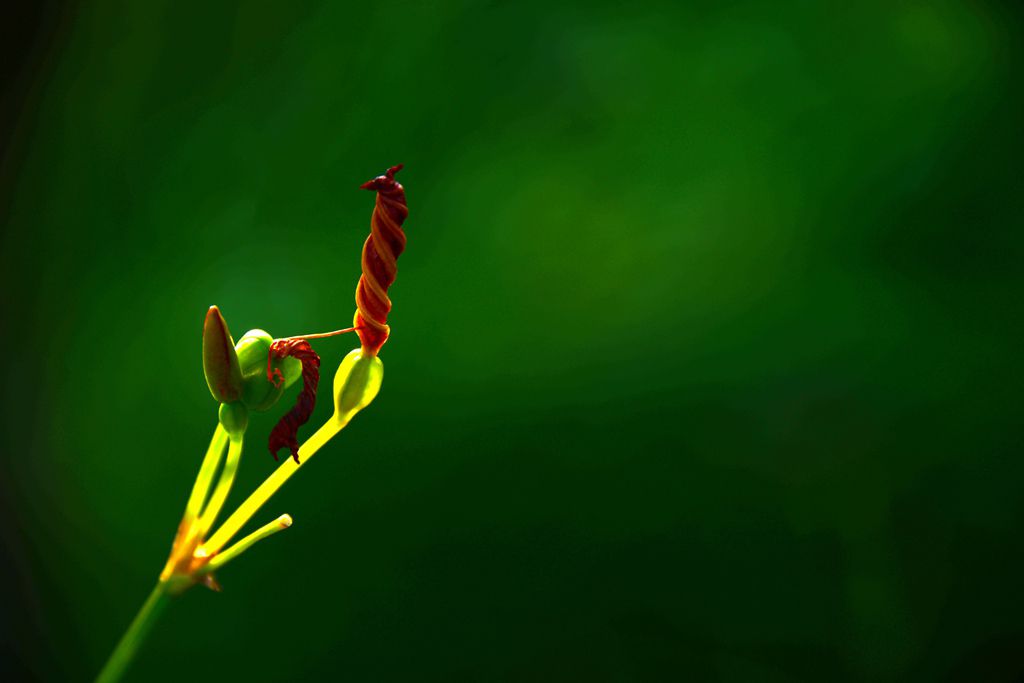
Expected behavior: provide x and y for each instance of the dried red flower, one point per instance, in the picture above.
(380, 256)
(285, 432)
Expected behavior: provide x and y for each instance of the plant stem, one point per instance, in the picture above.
(136, 633)
(206, 472)
(220, 559)
(220, 493)
(272, 483)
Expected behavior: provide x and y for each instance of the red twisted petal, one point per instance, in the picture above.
(380, 254)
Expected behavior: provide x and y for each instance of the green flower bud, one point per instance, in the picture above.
(234, 417)
(220, 362)
(356, 383)
(258, 393)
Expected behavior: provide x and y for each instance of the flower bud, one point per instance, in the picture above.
(258, 393)
(356, 383)
(220, 362)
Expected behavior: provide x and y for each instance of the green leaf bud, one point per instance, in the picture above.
(220, 361)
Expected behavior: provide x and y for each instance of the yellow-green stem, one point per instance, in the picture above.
(136, 633)
(279, 524)
(206, 472)
(260, 496)
(227, 478)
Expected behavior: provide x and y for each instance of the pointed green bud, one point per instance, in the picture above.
(220, 362)
(258, 393)
(356, 383)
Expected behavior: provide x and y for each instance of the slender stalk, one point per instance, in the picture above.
(279, 524)
(323, 335)
(206, 472)
(272, 483)
(220, 493)
(136, 633)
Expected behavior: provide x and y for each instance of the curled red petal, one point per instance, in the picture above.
(380, 255)
(285, 432)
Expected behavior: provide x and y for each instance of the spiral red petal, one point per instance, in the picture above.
(380, 254)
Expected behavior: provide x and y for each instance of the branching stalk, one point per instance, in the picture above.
(221, 559)
(220, 493)
(261, 495)
(206, 472)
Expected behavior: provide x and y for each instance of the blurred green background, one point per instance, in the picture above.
(706, 352)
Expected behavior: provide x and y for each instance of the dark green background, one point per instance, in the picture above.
(706, 352)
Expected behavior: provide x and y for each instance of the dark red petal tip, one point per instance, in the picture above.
(384, 183)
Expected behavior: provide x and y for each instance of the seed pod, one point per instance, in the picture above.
(220, 361)
(258, 393)
(356, 383)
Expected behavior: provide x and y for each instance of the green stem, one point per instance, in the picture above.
(206, 472)
(220, 493)
(136, 633)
